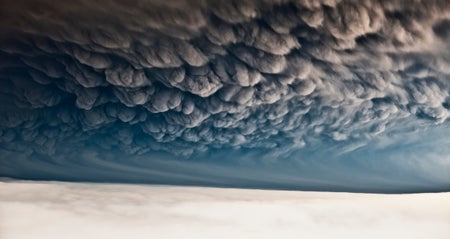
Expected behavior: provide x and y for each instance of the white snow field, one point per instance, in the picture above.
(55, 210)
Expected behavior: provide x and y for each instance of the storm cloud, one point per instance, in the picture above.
(147, 78)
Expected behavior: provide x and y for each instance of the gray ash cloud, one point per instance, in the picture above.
(188, 76)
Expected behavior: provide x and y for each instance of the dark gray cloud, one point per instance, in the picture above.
(185, 77)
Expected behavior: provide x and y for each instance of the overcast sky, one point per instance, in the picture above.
(335, 95)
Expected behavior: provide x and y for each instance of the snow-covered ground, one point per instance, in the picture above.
(54, 210)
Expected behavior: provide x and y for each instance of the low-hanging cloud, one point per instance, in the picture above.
(186, 77)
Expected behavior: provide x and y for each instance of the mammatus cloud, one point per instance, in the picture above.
(186, 78)
(118, 211)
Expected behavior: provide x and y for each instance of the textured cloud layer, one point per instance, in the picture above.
(186, 77)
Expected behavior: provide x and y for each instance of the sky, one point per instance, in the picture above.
(325, 95)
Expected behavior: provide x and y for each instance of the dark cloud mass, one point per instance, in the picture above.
(187, 78)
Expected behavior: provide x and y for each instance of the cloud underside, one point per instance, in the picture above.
(186, 77)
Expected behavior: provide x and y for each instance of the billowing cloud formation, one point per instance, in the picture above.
(186, 77)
